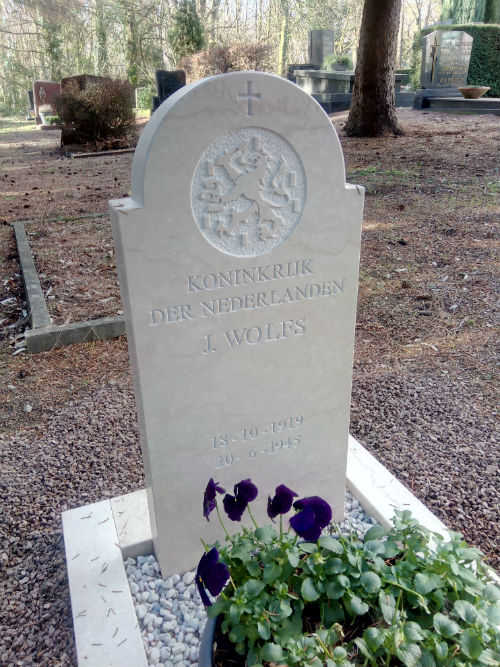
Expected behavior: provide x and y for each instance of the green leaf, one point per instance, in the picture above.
(445, 626)
(308, 547)
(465, 610)
(285, 608)
(470, 644)
(339, 653)
(331, 544)
(271, 572)
(272, 652)
(375, 533)
(409, 654)
(494, 613)
(335, 566)
(441, 649)
(387, 606)
(373, 637)
(253, 568)
(370, 582)
(391, 549)
(489, 657)
(241, 552)
(264, 630)
(266, 534)
(413, 631)
(293, 557)
(491, 593)
(308, 590)
(374, 547)
(358, 606)
(237, 634)
(427, 659)
(426, 582)
(253, 587)
(334, 589)
(364, 648)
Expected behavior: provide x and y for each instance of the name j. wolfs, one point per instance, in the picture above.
(266, 333)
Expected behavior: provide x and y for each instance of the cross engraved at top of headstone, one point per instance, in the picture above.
(248, 96)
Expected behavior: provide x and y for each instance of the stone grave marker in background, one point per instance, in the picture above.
(45, 92)
(238, 258)
(445, 60)
(321, 45)
(82, 81)
(167, 83)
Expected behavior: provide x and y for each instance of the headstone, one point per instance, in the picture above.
(321, 45)
(167, 83)
(45, 93)
(238, 265)
(445, 59)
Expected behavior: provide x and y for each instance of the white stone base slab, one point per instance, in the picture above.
(106, 628)
(98, 537)
(380, 493)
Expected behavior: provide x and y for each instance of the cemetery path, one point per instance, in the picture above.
(426, 371)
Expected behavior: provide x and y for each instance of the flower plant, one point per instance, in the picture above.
(309, 597)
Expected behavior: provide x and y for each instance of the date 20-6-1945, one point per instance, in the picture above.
(271, 438)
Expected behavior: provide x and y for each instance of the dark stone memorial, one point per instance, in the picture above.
(445, 64)
(166, 84)
(445, 59)
(321, 45)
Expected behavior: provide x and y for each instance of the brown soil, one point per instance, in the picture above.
(426, 371)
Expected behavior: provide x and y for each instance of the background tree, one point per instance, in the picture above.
(373, 112)
(186, 34)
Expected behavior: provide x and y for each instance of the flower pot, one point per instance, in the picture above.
(473, 92)
(207, 643)
(44, 116)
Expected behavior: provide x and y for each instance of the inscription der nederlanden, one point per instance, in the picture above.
(252, 301)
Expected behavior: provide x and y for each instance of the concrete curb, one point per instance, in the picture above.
(47, 338)
(44, 335)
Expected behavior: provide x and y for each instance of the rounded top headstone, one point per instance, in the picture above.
(242, 147)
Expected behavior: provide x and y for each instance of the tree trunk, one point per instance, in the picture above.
(284, 37)
(373, 111)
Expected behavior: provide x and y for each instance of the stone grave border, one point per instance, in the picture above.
(44, 335)
(99, 537)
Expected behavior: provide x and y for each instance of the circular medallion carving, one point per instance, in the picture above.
(248, 192)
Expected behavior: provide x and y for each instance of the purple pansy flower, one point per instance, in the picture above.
(281, 502)
(244, 492)
(315, 515)
(211, 575)
(209, 501)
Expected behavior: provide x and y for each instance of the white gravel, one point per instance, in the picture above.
(170, 612)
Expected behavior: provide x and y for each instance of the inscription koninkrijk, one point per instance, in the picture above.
(233, 339)
(252, 301)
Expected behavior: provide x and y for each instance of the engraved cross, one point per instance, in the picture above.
(249, 97)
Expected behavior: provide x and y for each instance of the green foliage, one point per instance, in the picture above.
(484, 67)
(144, 98)
(52, 36)
(100, 112)
(334, 59)
(186, 34)
(402, 596)
(463, 11)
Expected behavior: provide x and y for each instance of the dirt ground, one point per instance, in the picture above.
(426, 369)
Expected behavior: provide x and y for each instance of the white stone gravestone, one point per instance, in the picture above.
(238, 264)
